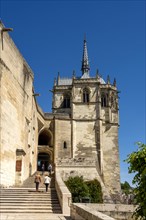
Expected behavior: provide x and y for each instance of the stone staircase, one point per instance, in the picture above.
(25, 203)
(22, 200)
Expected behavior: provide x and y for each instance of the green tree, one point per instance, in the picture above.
(126, 188)
(137, 165)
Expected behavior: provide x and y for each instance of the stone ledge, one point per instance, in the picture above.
(86, 162)
(81, 211)
(96, 211)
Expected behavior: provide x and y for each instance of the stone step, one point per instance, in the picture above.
(50, 203)
(29, 199)
(43, 207)
(28, 192)
(33, 216)
(42, 198)
(18, 190)
(28, 205)
(27, 196)
(37, 199)
(45, 195)
(30, 211)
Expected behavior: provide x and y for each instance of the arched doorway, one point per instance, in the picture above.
(45, 149)
(43, 158)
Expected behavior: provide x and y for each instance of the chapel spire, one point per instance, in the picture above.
(85, 62)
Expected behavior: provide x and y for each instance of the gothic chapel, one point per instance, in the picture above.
(79, 137)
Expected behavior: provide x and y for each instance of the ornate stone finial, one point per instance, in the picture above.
(97, 74)
(74, 74)
(108, 79)
(85, 62)
(55, 82)
(58, 78)
(115, 82)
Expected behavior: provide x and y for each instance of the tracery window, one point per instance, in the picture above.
(66, 102)
(86, 95)
(104, 100)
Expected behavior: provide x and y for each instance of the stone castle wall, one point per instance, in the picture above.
(18, 115)
(110, 158)
(85, 145)
(63, 138)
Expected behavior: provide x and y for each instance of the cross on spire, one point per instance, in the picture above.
(85, 62)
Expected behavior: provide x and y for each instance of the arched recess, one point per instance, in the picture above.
(45, 137)
(66, 100)
(86, 94)
(104, 100)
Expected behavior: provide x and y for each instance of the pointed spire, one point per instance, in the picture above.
(74, 74)
(97, 74)
(55, 82)
(58, 78)
(108, 79)
(115, 82)
(85, 62)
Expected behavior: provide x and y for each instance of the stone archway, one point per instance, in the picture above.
(45, 149)
(45, 138)
(43, 158)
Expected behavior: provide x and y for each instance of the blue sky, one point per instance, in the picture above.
(49, 34)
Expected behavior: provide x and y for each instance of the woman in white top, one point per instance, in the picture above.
(47, 180)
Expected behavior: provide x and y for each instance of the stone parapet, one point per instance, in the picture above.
(63, 193)
(82, 212)
(113, 211)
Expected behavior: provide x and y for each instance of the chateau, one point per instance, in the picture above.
(79, 137)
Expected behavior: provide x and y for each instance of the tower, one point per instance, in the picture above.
(86, 121)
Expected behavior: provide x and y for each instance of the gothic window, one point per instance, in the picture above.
(64, 145)
(104, 100)
(66, 102)
(85, 95)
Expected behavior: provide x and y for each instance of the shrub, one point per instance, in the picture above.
(81, 189)
(77, 187)
(95, 191)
